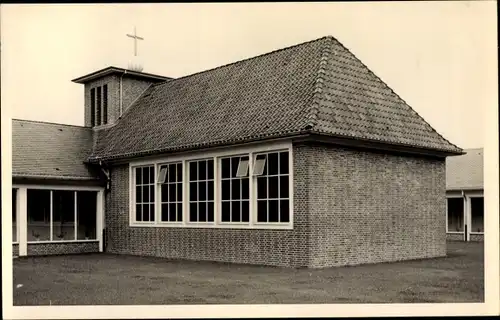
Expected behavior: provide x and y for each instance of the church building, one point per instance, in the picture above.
(301, 157)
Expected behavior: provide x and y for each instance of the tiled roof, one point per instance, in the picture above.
(317, 87)
(49, 150)
(465, 172)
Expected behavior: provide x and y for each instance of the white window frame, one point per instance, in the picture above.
(464, 217)
(158, 186)
(215, 154)
(155, 202)
(187, 199)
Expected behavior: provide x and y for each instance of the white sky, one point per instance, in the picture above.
(440, 57)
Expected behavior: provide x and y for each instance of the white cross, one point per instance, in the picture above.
(135, 37)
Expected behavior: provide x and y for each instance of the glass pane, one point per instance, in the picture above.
(259, 167)
(63, 215)
(284, 187)
(164, 212)
(235, 189)
(226, 211)
(151, 212)
(262, 211)
(162, 175)
(86, 215)
(172, 193)
(261, 188)
(210, 211)
(245, 188)
(179, 191)
(202, 211)
(172, 172)
(151, 175)
(152, 193)
(145, 212)
(284, 211)
(235, 212)
(210, 191)
(138, 175)
(172, 214)
(242, 168)
(225, 189)
(202, 191)
(273, 187)
(273, 211)
(138, 194)
(179, 172)
(145, 193)
(477, 214)
(164, 192)
(193, 171)
(272, 161)
(234, 166)
(455, 214)
(138, 212)
(179, 212)
(283, 162)
(225, 168)
(210, 165)
(202, 170)
(193, 191)
(193, 212)
(14, 215)
(38, 214)
(245, 211)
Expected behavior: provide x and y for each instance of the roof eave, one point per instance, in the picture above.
(110, 70)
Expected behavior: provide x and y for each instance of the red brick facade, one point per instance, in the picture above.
(35, 249)
(350, 207)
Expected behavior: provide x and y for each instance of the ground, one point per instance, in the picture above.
(122, 280)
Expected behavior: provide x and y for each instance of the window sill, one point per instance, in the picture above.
(61, 241)
(455, 232)
(216, 226)
(478, 233)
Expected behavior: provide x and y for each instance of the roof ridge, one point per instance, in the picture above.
(379, 79)
(239, 61)
(51, 123)
(312, 114)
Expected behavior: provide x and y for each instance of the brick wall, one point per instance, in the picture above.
(455, 236)
(476, 237)
(372, 207)
(35, 249)
(264, 247)
(15, 250)
(351, 207)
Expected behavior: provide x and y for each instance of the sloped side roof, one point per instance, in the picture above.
(465, 172)
(49, 150)
(317, 86)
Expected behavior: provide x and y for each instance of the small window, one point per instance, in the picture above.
(201, 191)
(235, 189)
(477, 214)
(144, 194)
(105, 104)
(170, 179)
(92, 107)
(162, 174)
(455, 214)
(259, 166)
(242, 168)
(98, 107)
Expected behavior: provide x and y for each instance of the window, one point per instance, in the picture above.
(235, 200)
(272, 180)
(99, 107)
(92, 107)
(170, 180)
(105, 104)
(201, 191)
(14, 215)
(144, 194)
(477, 214)
(61, 215)
(455, 214)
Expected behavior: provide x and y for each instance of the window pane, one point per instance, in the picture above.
(210, 211)
(261, 187)
(234, 166)
(179, 191)
(202, 211)
(163, 175)
(152, 193)
(138, 212)
(179, 172)
(242, 168)
(210, 169)
(172, 172)
(245, 188)
(225, 189)
(284, 211)
(193, 191)
(202, 190)
(477, 214)
(145, 194)
(164, 192)
(211, 190)
(151, 175)
(272, 161)
(151, 212)
(259, 167)
(164, 212)
(172, 214)
(262, 211)
(14, 215)
(193, 171)
(235, 189)
(284, 187)
(172, 193)
(193, 209)
(283, 162)
(202, 170)
(63, 215)
(226, 213)
(273, 211)
(138, 175)
(273, 187)
(245, 211)
(92, 107)
(38, 211)
(225, 168)
(86, 215)
(179, 212)
(235, 213)
(455, 214)
(145, 212)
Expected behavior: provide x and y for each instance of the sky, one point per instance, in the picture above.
(440, 57)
